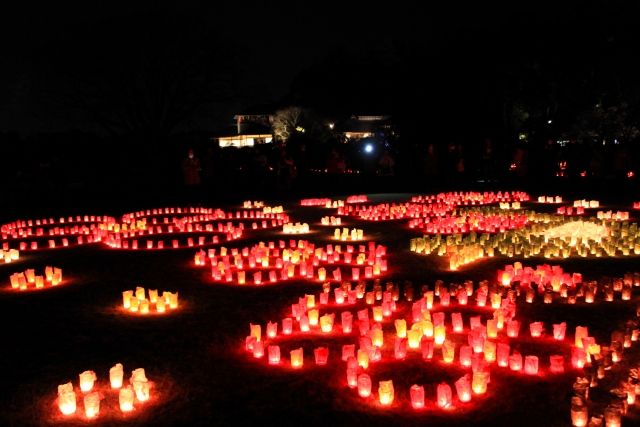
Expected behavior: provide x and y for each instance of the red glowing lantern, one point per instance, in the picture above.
(444, 395)
(417, 396)
(531, 365)
(556, 364)
(463, 389)
(321, 355)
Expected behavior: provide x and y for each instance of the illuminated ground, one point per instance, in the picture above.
(197, 354)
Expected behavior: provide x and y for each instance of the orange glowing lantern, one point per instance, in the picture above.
(87, 378)
(66, 399)
(492, 328)
(363, 358)
(489, 351)
(92, 404)
(274, 354)
(385, 392)
(531, 365)
(401, 328)
(255, 331)
(463, 389)
(444, 395)
(581, 332)
(480, 381)
(272, 329)
(125, 398)
(448, 351)
(116, 373)
(579, 415)
(364, 385)
(377, 337)
(313, 317)
(417, 396)
(297, 357)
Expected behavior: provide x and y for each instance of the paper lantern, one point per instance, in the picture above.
(87, 378)
(612, 416)
(141, 389)
(125, 398)
(489, 351)
(377, 337)
(400, 348)
(581, 332)
(578, 357)
(480, 381)
(273, 354)
(92, 404)
(443, 393)
(255, 331)
(347, 322)
(321, 355)
(66, 399)
(385, 392)
(363, 358)
(439, 334)
(416, 393)
(531, 365)
(515, 362)
(401, 328)
(463, 389)
(579, 415)
(448, 351)
(287, 326)
(413, 338)
(536, 329)
(364, 385)
(456, 321)
(502, 355)
(313, 317)
(492, 328)
(559, 331)
(297, 359)
(556, 364)
(116, 373)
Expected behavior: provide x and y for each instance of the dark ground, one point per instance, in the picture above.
(196, 355)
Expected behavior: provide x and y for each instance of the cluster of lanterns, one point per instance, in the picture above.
(586, 203)
(297, 228)
(483, 220)
(385, 328)
(561, 237)
(550, 199)
(29, 280)
(327, 203)
(274, 262)
(9, 255)
(344, 235)
(136, 391)
(137, 301)
(248, 204)
(331, 220)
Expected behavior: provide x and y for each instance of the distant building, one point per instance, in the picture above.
(250, 129)
(359, 127)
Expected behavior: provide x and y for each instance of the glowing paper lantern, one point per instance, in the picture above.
(531, 365)
(364, 385)
(125, 398)
(463, 389)
(297, 357)
(401, 328)
(503, 355)
(273, 354)
(92, 404)
(66, 399)
(559, 331)
(417, 396)
(448, 351)
(443, 392)
(87, 378)
(480, 380)
(556, 364)
(321, 355)
(116, 373)
(513, 328)
(579, 415)
(536, 329)
(515, 362)
(385, 392)
(439, 334)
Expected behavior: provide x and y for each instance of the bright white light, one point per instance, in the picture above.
(549, 121)
(368, 148)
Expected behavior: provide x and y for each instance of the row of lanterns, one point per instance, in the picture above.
(29, 280)
(137, 301)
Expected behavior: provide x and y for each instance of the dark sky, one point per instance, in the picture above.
(266, 45)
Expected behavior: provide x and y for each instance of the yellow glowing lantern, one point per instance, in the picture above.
(126, 299)
(153, 296)
(377, 337)
(385, 392)
(377, 313)
(326, 323)
(66, 399)
(492, 328)
(480, 381)
(297, 357)
(92, 404)
(313, 317)
(496, 300)
(581, 332)
(413, 338)
(141, 389)
(116, 374)
(439, 334)
(363, 358)
(161, 306)
(489, 351)
(87, 378)
(255, 331)
(401, 328)
(125, 398)
(144, 307)
(140, 293)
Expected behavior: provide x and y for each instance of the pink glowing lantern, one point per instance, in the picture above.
(400, 348)
(480, 381)
(515, 362)
(559, 330)
(258, 349)
(456, 321)
(273, 354)
(364, 385)
(287, 326)
(347, 322)
(531, 365)
(463, 389)
(536, 329)
(513, 328)
(443, 393)
(502, 356)
(417, 396)
(465, 355)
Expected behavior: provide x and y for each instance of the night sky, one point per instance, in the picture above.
(451, 60)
